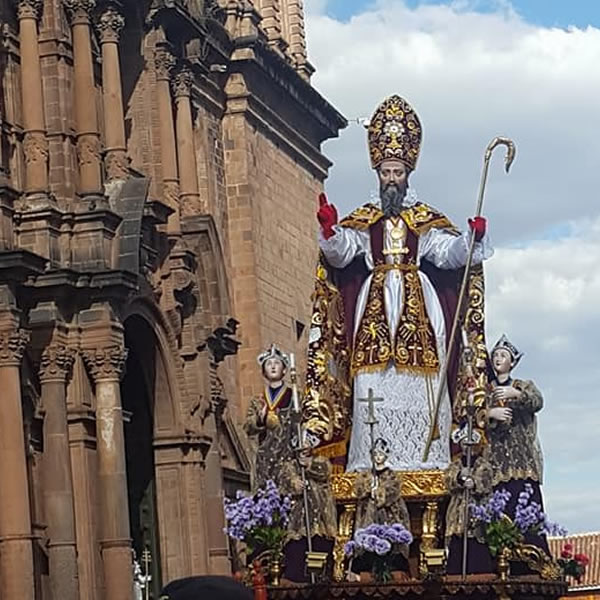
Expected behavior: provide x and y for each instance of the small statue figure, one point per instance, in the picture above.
(515, 454)
(469, 477)
(320, 504)
(270, 420)
(379, 500)
(478, 480)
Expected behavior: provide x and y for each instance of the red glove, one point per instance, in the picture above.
(327, 216)
(478, 225)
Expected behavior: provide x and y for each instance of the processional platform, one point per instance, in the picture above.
(426, 496)
(473, 588)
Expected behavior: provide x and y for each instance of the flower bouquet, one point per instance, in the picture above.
(378, 544)
(503, 533)
(573, 565)
(260, 521)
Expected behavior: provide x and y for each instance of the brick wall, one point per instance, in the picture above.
(272, 231)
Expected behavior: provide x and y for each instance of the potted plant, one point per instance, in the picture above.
(573, 565)
(378, 546)
(502, 532)
(260, 521)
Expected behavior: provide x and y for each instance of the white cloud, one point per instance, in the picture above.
(471, 77)
(545, 297)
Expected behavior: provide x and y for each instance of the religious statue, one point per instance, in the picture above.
(306, 480)
(514, 450)
(379, 499)
(478, 481)
(270, 419)
(386, 297)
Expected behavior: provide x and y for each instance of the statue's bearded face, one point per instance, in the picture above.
(393, 183)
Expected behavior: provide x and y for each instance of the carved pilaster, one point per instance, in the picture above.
(56, 363)
(171, 193)
(105, 364)
(88, 150)
(35, 148)
(110, 24)
(164, 62)
(12, 347)
(79, 11)
(29, 9)
(182, 83)
(116, 163)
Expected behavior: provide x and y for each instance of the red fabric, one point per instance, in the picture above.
(327, 216)
(479, 226)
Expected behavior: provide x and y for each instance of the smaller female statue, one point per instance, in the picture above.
(380, 501)
(310, 473)
(514, 450)
(269, 419)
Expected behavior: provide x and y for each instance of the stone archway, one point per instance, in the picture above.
(138, 400)
(164, 460)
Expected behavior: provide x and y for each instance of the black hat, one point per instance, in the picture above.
(208, 587)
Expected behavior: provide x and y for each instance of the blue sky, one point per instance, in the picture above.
(550, 13)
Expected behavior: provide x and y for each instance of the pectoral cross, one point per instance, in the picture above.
(371, 421)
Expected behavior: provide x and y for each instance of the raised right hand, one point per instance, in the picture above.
(327, 216)
(500, 413)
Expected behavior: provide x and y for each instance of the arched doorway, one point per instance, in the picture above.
(138, 397)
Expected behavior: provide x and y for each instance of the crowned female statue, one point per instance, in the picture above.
(515, 454)
(385, 299)
(269, 418)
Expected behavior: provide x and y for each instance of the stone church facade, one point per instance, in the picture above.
(159, 167)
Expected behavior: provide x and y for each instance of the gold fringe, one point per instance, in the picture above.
(414, 370)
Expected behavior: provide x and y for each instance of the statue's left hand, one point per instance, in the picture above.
(479, 226)
(506, 394)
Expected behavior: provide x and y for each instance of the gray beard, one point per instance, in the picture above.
(392, 200)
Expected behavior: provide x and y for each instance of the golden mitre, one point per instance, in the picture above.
(395, 132)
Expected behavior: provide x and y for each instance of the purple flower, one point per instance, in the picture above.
(349, 548)
(267, 508)
(382, 546)
(378, 539)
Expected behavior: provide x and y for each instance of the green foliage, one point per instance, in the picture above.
(501, 534)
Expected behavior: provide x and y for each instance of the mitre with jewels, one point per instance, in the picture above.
(395, 133)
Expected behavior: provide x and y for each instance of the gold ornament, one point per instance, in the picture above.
(272, 420)
(395, 133)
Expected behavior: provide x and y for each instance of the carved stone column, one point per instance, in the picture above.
(106, 368)
(86, 114)
(164, 63)
(16, 551)
(116, 163)
(55, 369)
(186, 155)
(35, 144)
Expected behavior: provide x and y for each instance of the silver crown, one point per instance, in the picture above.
(274, 352)
(504, 344)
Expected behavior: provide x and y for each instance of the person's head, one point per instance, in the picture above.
(274, 364)
(207, 587)
(505, 356)
(381, 451)
(393, 185)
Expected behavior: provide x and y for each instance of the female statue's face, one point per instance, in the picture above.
(502, 361)
(273, 369)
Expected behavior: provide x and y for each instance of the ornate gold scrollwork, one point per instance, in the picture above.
(537, 560)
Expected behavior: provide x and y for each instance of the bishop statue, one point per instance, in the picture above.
(392, 270)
